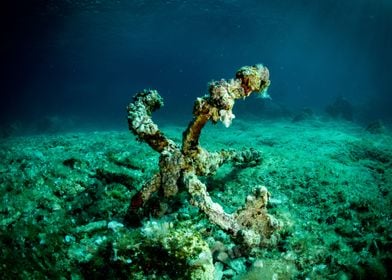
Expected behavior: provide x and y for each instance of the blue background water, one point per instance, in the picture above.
(86, 59)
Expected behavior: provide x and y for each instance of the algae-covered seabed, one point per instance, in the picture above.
(64, 197)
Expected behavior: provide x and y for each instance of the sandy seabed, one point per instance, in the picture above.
(64, 197)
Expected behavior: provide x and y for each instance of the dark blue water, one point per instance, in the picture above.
(84, 60)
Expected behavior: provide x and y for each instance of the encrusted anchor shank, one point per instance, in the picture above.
(180, 166)
(218, 104)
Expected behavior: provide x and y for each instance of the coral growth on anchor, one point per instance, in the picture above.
(180, 166)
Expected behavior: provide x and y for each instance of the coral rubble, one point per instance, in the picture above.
(180, 166)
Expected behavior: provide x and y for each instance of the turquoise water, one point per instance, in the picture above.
(303, 190)
(81, 61)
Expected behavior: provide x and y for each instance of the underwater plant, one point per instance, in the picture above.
(181, 165)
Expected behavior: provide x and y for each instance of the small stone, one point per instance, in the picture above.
(115, 226)
(223, 257)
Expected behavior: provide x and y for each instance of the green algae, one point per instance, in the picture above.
(330, 183)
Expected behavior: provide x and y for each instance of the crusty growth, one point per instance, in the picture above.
(181, 166)
(140, 122)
